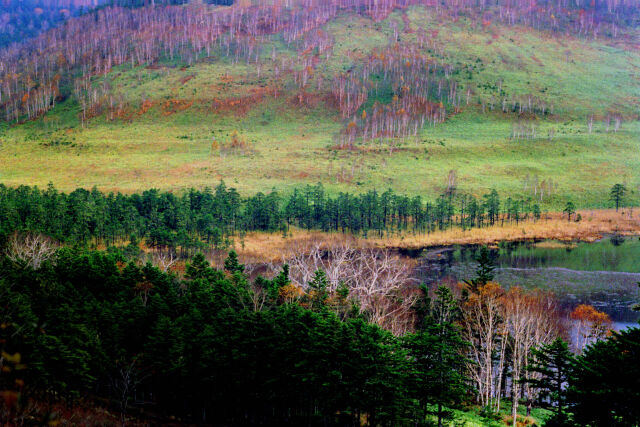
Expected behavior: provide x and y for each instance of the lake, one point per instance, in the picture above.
(604, 274)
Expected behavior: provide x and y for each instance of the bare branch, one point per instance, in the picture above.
(29, 249)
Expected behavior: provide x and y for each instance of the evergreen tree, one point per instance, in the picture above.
(536, 211)
(231, 264)
(437, 349)
(569, 209)
(279, 282)
(492, 206)
(484, 270)
(318, 290)
(617, 194)
(552, 363)
(605, 383)
(198, 267)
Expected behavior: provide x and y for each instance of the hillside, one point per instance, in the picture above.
(320, 212)
(22, 19)
(523, 107)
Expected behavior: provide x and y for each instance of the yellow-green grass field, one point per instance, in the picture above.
(168, 143)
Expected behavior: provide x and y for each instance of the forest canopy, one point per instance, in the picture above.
(199, 349)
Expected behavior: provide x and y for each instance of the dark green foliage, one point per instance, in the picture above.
(198, 219)
(617, 194)
(536, 211)
(552, 363)
(204, 350)
(198, 348)
(232, 265)
(605, 383)
(318, 290)
(484, 270)
(437, 351)
(569, 209)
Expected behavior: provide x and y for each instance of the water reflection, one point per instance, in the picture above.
(603, 273)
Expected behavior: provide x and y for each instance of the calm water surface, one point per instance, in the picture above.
(603, 273)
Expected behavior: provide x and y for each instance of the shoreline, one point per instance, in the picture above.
(594, 225)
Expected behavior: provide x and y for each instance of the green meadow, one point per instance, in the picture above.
(173, 140)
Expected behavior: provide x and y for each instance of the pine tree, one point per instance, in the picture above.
(552, 363)
(197, 268)
(617, 194)
(484, 270)
(437, 352)
(318, 290)
(232, 265)
(492, 203)
(536, 211)
(279, 282)
(605, 382)
(569, 209)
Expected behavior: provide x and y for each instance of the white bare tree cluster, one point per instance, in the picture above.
(502, 329)
(532, 319)
(483, 329)
(30, 249)
(378, 280)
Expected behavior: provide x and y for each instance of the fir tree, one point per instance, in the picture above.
(605, 382)
(318, 290)
(552, 363)
(569, 209)
(484, 270)
(617, 194)
(437, 349)
(231, 264)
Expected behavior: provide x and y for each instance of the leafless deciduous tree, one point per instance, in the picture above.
(164, 260)
(30, 249)
(483, 320)
(380, 281)
(124, 382)
(532, 319)
(502, 328)
(588, 326)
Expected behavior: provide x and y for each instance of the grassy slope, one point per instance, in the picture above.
(291, 144)
(472, 418)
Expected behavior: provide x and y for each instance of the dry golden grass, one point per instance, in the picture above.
(593, 226)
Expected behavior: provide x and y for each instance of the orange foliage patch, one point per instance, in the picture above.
(173, 106)
(242, 105)
(590, 314)
(146, 106)
(187, 78)
(290, 293)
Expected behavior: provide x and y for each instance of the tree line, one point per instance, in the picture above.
(203, 218)
(197, 348)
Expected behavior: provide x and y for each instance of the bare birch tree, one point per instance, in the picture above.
(483, 318)
(29, 249)
(377, 279)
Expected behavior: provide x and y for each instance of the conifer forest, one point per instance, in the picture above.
(358, 213)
